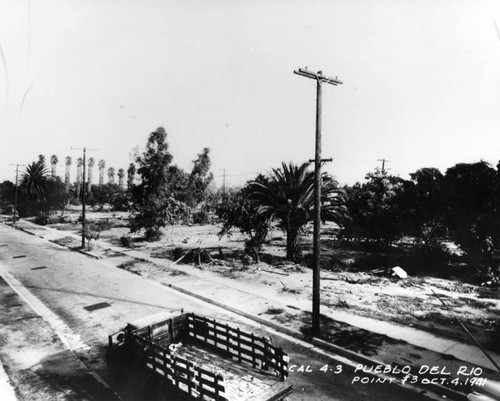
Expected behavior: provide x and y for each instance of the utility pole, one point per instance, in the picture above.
(83, 193)
(15, 193)
(320, 79)
(383, 164)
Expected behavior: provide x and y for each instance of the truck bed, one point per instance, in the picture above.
(239, 382)
(208, 360)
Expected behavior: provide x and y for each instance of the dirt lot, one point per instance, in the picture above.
(348, 283)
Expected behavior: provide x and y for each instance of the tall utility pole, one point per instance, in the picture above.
(83, 193)
(15, 193)
(320, 79)
(383, 164)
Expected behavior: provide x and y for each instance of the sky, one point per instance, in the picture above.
(421, 82)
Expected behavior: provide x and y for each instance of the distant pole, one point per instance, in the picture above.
(83, 199)
(383, 164)
(83, 193)
(320, 79)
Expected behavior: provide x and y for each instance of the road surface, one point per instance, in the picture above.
(85, 300)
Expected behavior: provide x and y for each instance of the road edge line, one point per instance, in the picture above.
(73, 342)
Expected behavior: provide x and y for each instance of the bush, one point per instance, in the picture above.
(153, 234)
(201, 217)
(125, 241)
(104, 225)
(178, 253)
(41, 219)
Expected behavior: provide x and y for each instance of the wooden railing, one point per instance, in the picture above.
(180, 372)
(241, 346)
(152, 342)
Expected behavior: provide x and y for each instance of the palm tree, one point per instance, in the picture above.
(53, 162)
(287, 198)
(79, 171)
(111, 175)
(102, 166)
(79, 178)
(41, 159)
(66, 175)
(90, 165)
(130, 175)
(35, 182)
(121, 175)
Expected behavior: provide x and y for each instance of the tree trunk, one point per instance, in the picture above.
(293, 248)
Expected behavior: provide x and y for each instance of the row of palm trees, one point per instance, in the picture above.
(90, 169)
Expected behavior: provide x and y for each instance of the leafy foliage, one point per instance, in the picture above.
(473, 213)
(150, 208)
(375, 210)
(108, 194)
(200, 178)
(41, 192)
(35, 182)
(287, 198)
(7, 189)
(153, 205)
(237, 210)
(423, 207)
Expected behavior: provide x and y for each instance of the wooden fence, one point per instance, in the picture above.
(180, 372)
(241, 346)
(152, 342)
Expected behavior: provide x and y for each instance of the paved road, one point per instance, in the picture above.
(66, 283)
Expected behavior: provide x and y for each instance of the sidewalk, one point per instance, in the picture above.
(254, 305)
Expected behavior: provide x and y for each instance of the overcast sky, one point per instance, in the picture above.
(421, 82)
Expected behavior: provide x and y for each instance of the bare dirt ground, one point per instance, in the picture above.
(347, 283)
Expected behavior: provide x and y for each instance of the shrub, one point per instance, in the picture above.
(104, 225)
(201, 217)
(125, 241)
(92, 232)
(177, 253)
(41, 219)
(153, 234)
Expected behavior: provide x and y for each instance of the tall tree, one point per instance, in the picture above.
(102, 166)
(200, 177)
(79, 171)
(473, 213)
(374, 207)
(41, 159)
(67, 173)
(53, 162)
(130, 175)
(287, 198)
(111, 175)
(152, 207)
(422, 205)
(90, 174)
(121, 176)
(35, 182)
(79, 176)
